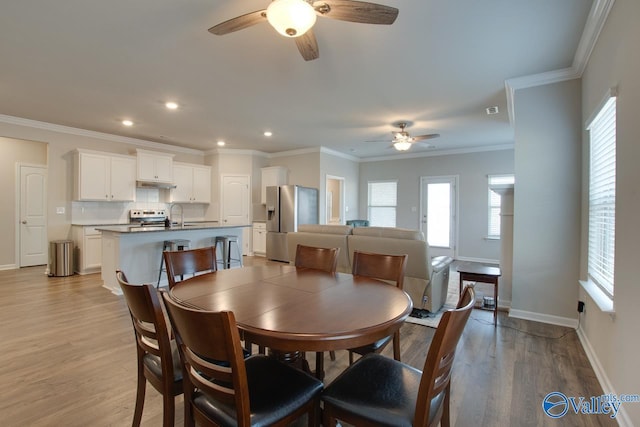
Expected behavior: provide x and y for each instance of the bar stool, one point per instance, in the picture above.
(171, 245)
(226, 242)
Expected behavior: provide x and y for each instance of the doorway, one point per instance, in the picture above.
(438, 213)
(334, 208)
(32, 215)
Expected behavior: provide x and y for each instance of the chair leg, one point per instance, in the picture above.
(140, 391)
(332, 355)
(350, 357)
(320, 365)
(396, 346)
(445, 421)
(168, 410)
(327, 418)
(314, 414)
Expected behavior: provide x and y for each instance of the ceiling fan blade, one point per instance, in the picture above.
(308, 46)
(356, 11)
(423, 137)
(239, 23)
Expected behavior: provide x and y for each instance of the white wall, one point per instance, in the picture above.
(346, 168)
(472, 170)
(612, 342)
(546, 235)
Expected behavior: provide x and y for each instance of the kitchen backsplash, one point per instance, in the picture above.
(85, 213)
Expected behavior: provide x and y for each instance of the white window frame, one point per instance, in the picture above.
(494, 202)
(602, 197)
(371, 206)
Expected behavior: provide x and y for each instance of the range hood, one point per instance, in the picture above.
(152, 184)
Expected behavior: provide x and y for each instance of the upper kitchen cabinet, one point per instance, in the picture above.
(154, 166)
(193, 183)
(273, 175)
(104, 176)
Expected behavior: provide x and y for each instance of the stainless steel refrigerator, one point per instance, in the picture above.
(288, 206)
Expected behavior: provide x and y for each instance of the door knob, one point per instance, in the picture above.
(24, 221)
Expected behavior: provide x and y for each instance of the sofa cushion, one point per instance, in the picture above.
(389, 232)
(325, 229)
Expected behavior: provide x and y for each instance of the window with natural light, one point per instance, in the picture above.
(493, 231)
(382, 202)
(602, 197)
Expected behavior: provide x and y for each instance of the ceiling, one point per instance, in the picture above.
(90, 64)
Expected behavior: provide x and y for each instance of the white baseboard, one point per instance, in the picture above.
(481, 260)
(622, 418)
(544, 318)
(8, 267)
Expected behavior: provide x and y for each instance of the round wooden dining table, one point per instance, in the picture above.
(291, 309)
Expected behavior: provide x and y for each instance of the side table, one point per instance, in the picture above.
(482, 274)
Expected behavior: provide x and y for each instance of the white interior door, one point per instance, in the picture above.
(235, 200)
(33, 216)
(438, 214)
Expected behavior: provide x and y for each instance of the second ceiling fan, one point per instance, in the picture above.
(295, 19)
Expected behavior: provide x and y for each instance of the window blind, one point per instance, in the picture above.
(382, 203)
(602, 197)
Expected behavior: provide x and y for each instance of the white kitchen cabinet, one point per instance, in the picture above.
(273, 175)
(193, 183)
(259, 238)
(88, 256)
(154, 166)
(103, 176)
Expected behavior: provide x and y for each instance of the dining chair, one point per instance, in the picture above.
(324, 259)
(223, 389)
(190, 261)
(377, 390)
(158, 357)
(385, 267)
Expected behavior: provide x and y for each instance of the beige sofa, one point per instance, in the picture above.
(426, 278)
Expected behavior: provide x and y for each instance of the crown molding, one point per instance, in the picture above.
(335, 153)
(235, 151)
(440, 153)
(590, 34)
(298, 152)
(35, 124)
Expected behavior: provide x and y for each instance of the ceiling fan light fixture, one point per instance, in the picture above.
(291, 18)
(402, 145)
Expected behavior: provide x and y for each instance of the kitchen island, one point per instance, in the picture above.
(137, 250)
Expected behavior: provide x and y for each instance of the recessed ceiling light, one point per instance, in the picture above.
(221, 143)
(171, 105)
(127, 122)
(268, 133)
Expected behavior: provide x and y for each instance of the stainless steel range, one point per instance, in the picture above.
(147, 217)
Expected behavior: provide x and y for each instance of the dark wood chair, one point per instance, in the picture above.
(223, 389)
(377, 390)
(189, 261)
(324, 259)
(385, 267)
(158, 357)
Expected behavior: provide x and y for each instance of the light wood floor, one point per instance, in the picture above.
(68, 359)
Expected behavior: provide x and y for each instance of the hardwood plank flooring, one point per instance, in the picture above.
(68, 358)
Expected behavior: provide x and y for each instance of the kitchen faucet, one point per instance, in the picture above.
(181, 214)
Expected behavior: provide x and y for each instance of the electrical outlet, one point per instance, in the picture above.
(580, 306)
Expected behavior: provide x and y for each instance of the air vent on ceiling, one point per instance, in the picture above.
(492, 110)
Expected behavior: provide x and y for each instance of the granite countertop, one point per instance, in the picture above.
(189, 225)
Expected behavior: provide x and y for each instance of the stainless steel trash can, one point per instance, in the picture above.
(61, 258)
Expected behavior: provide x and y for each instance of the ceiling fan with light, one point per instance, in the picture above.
(295, 19)
(402, 141)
